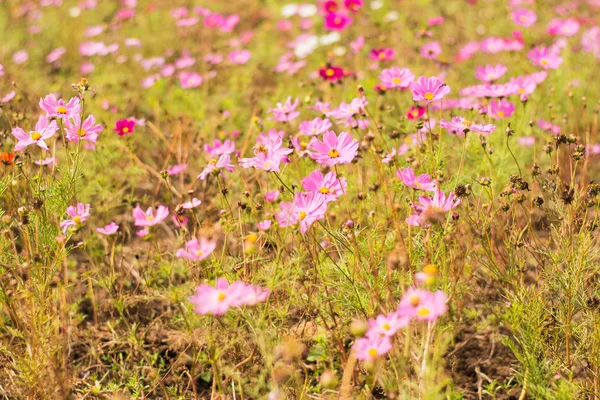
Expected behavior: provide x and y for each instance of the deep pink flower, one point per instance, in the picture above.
(395, 77)
(272, 196)
(218, 148)
(78, 215)
(549, 127)
(88, 130)
(328, 186)
(415, 112)
(337, 21)
(125, 127)
(331, 73)
(197, 250)
(305, 209)
(353, 5)
(490, 73)
(176, 169)
(44, 129)
(429, 89)
(421, 182)
(149, 218)
(383, 54)
(467, 51)
(58, 108)
(334, 149)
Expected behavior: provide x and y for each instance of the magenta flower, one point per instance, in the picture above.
(331, 73)
(197, 250)
(109, 229)
(431, 50)
(432, 209)
(460, 126)
(415, 112)
(78, 215)
(328, 186)
(58, 108)
(421, 182)
(386, 325)
(315, 127)
(285, 112)
(524, 17)
(334, 149)
(125, 127)
(44, 129)
(216, 166)
(149, 218)
(384, 54)
(371, 347)
(88, 130)
(547, 58)
(240, 57)
(429, 89)
(396, 78)
(305, 209)
(490, 73)
(337, 21)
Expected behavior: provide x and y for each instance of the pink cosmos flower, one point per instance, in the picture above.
(429, 89)
(524, 85)
(272, 196)
(285, 112)
(432, 209)
(331, 73)
(490, 73)
(240, 57)
(315, 127)
(109, 229)
(562, 27)
(305, 209)
(527, 141)
(47, 161)
(524, 17)
(547, 58)
(590, 41)
(357, 44)
(55, 55)
(371, 347)
(328, 186)
(422, 304)
(176, 169)
(431, 50)
(78, 215)
(395, 77)
(20, 57)
(334, 149)
(415, 112)
(501, 108)
(337, 21)
(384, 54)
(197, 250)
(219, 299)
(493, 45)
(125, 127)
(460, 126)
(386, 325)
(88, 130)
(467, 51)
(353, 5)
(264, 225)
(218, 148)
(44, 129)
(421, 182)
(149, 218)
(269, 152)
(188, 205)
(549, 127)
(58, 108)
(216, 166)
(189, 80)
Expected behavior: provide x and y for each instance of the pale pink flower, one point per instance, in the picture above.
(305, 209)
(371, 347)
(421, 182)
(44, 129)
(150, 217)
(197, 250)
(78, 215)
(109, 229)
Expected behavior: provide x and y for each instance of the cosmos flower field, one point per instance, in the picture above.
(340, 199)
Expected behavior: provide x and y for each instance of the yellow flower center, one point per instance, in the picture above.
(221, 296)
(381, 55)
(544, 61)
(77, 219)
(523, 18)
(324, 190)
(415, 113)
(415, 301)
(500, 114)
(262, 149)
(337, 20)
(125, 129)
(302, 216)
(396, 81)
(61, 110)
(430, 269)
(330, 72)
(149, 218)
(417, 184)
(213, 161)
(333, 153)
(467, 123)
(199, 253)
(372, 352)
(81, 132)
(429, 96)
(423, 312)
(36, 135)
(386, 326)
(521, 90)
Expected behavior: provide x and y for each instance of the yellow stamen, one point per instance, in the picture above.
(500, 114)
(324, 190)
(302, 215)
(467, 123)
(213, 161)
(149, 218)
(333, 153)
(372, 352)
(330, 72)
(77, 219)
(36, 135)
(386, 326)
(382, 55)
(423, 312)
(396, 81)
(81, 132)
(125, 129)
(199, 253)
(61, 110)
(221, 296)
(415, 300)
(429, 96)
